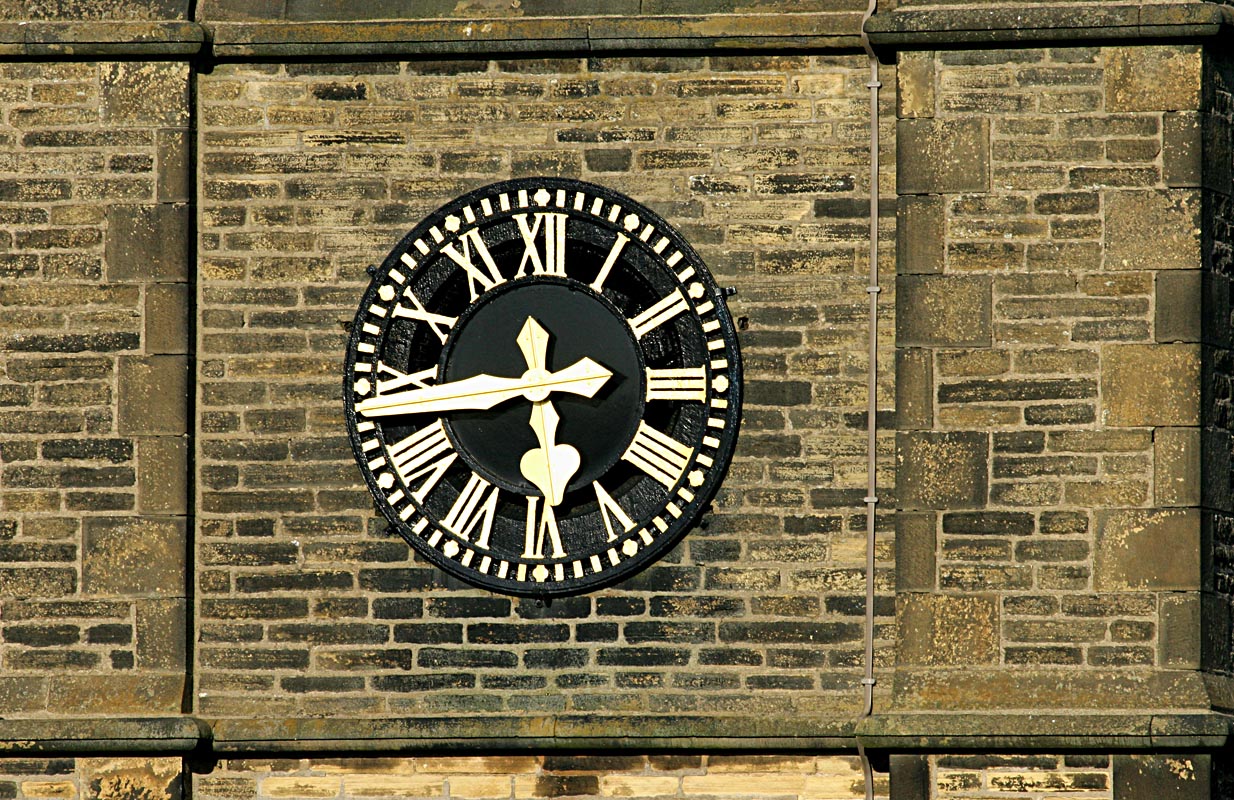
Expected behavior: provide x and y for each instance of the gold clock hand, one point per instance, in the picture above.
(479, 392)
(550, 466)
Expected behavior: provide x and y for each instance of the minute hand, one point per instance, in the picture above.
(583, 377)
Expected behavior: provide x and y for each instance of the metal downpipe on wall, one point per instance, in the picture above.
(871, 498)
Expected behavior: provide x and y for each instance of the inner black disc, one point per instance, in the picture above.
(580, 324)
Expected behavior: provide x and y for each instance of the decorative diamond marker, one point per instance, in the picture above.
(453, 223)
(542, 197)
(386, 292)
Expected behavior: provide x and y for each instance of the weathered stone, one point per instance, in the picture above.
(1150, 385)
(943, 311)
(1180, 623)
(146, 388)
(148, 243)
(920, 235)
(151, 778)
(1147, 550)
(1154, 229)
(1182, 149)
(117, 693)
(948, 630)
(1178, 304)
(134, 556)
(145, 93)
(167, 318)
(914, 389)
(162, 475)
(1156, 777)
(942, 470)
(915, 78)
(1153, 78)
(1176, 467)
(916, 543)
(942, 156)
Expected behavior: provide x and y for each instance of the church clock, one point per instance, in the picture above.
(542, 387)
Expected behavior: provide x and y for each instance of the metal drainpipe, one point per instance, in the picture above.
(871, 499)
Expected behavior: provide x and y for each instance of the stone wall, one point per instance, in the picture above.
(310, 172)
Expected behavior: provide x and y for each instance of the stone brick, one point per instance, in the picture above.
(1147, 550)
(948, 630)
(920, 235)
(1154, 777)
(942, 156)
(916, 543)
(1154, 229)
(1176, 467)
(942, 470)
(1150, 385)
(166, 318)
(915, 80)
(145, 93)
(914, 389)
(148, 243)
(134, 556)
(943, 311)
(145, 385)
(1178, 304)
(1180, 625)
(162, 475)
(1153, 78)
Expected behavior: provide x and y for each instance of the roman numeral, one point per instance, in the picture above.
(664, 310)
(610, 510)
(687, 383)
(440, 324)
(539, 526)
(658, 454)
(423, 456)
(474, 246)
(475, 505)
(613, 254)
(552, 259)
(390, 379)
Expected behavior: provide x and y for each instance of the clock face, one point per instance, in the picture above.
(542, 387)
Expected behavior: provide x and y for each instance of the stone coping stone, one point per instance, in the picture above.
(109, 735)
(1009, 23)
(1044, 731)
(76, 39)
(897, 732)
(541, 34)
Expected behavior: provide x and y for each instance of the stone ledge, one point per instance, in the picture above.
(1028, 732)
(103, 735)
(908, 28)
(527, 35)
(75, 39)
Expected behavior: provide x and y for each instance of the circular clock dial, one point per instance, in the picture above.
(542, 387)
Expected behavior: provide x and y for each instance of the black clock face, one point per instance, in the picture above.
(542, 387)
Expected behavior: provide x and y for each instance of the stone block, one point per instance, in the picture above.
(153, 394)
(174, 176)
(1173, 776)
(1178, 307)
(914, 389)
(162, 474)
(147, 242)
(910, 777)
(150, 778)
(920, 242)
(1182, 149)
(942, 156)
(22, 694)
(145, 93)
(1180, 628)
(943, 311)
(915, 84)
(1147, 550)
(1150, 385)
(916, 544)
(118, 693)
(942, 470)
(948, 630)
(161, 634)
(167, 318)
(1217, 459)
(1176, 467)
(1153, 229)
(134, 556)
(1153, 78)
